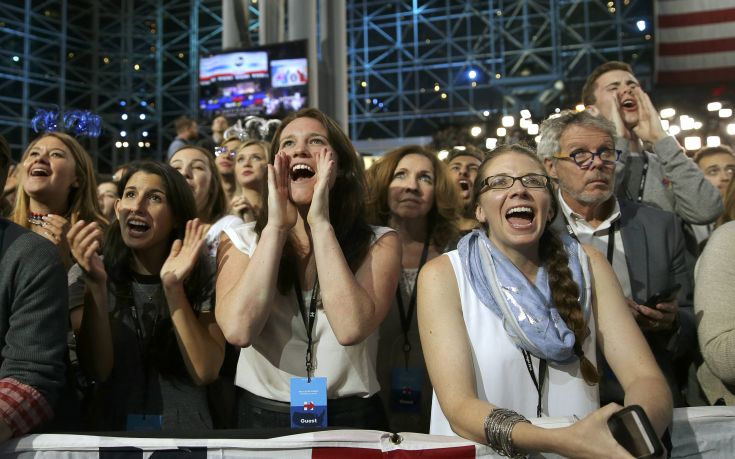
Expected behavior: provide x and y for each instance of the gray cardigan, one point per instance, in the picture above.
(674, 182)
(33, 311)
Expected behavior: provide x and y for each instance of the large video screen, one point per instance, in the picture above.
(271, 80)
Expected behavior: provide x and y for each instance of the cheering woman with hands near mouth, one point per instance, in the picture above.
(310, 250)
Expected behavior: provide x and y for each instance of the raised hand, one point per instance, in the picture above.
(184, 254)
(282, 212)
(326, 174)
(85, 240)
(649, 128)
(608, 107)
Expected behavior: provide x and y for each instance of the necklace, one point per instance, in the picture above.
(35, 218)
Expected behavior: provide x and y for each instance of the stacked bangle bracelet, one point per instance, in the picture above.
(499, 425)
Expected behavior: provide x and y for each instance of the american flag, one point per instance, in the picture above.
(695, 41)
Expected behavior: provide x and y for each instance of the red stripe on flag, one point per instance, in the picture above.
(692, 77)
(461, 452)
(696, 47)
(692, 19)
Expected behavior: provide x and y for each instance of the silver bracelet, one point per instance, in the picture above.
(499, 426)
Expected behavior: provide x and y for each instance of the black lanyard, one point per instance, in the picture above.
(407, 316)
(539, 384)
(610, 238)
(308, 320)
(644, 173)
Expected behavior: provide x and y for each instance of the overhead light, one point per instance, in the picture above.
(502, 132)
(491, 142)
(686, 122)
(713, 141)
(476, 131)
(472, 74)
(486, 113)
(730, 129)
(124, 116)
(714, 106)
(533, 129)
(443, 154)
(524, 123)
(459, 147)
(697, 125)
(725, 113)
(144, 133)
(123, 133)
(668, 113)
(525, 114)
(692, 143)
(665, 124)
(674, 129)
(118, 144)
(126, 145)
(579, 107)
(140, 144)
(142, 116)
(508, 121)
(641, 25)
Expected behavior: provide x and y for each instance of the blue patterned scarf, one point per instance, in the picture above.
(527, 312)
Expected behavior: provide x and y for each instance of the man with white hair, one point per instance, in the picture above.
(644, 245)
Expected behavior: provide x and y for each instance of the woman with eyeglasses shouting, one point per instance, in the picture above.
(510, 323)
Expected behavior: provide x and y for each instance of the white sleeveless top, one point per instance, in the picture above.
(502, 377)
(279, 353)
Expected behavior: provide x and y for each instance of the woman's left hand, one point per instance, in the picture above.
(184, 255)
(326, 174)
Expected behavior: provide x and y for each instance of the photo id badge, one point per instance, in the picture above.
(405, 389)
(309, 402)
(144, 422)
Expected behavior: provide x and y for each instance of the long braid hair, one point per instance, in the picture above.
(564, 291)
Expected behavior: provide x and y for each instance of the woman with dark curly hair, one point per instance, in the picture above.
(303, 289)
(510, 322)
(148, 334)
(410, 191)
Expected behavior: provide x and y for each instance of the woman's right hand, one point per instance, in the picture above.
(282, 212)
(591, 437)
(85, 243)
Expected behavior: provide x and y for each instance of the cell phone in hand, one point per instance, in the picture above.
(633, 430)
(664, 296)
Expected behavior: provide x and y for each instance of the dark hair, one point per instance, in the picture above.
(564, 291)
(183, 123)
(590, 86)
(4, 152)
(346, 199)
(711, 151)
(217, 205)
(443, 218)
(118, 260)
(728, 203)
(467, 150)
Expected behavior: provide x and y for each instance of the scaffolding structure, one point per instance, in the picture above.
(416, 66)
(134, 62)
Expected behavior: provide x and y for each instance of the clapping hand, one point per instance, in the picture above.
(85, 240)
(184, 254)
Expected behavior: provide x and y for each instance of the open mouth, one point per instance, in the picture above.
(629, 104)
(464, 185)
(39, 172)
(520, 217)
(138, 227)
(301, 172)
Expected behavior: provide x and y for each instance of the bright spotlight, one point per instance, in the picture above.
(713, 141)
(124, 116)
(533, 129)
(641, 25)
(123, 133)
(126, 145)
(525, 114)
(502, 132)
(490, 143)
(579, 107)
(508, 121)
(674, 129)
(144, 133)
(686, 122)
(714, 106)
(668, 113)
(486, 113)
(118, 144)
(475, 131)
(140, 144)
(725, 113)
(731, 129)
(142, 116)
(472, 74)
(524, 123)
(692, 143)
(443, 154)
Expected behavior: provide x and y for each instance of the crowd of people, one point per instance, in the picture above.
(461, 296)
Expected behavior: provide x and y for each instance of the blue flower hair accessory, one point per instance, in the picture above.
(76, 122)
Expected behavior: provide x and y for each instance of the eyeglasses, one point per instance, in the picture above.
(716, 170)
(584, 159)
(220, 151)
(502, 182)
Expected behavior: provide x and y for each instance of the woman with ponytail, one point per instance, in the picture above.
(510, 323)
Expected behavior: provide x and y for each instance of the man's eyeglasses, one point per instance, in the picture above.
(220, 151)
(502, 182)
(584, 159)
